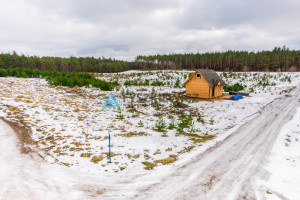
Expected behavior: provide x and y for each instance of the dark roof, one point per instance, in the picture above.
(211, 76)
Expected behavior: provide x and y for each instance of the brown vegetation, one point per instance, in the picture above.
(23, 133)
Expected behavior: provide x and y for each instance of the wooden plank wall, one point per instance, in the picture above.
(199, 87)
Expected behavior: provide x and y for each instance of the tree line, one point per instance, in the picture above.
(278, 59)
(60, 64)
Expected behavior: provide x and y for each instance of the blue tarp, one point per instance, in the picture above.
(236, 97)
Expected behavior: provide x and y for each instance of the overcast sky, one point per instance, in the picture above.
(123, 29)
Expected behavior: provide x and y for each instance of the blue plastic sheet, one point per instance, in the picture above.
(236, 97)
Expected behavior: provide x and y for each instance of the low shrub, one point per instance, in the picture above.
(236, 87)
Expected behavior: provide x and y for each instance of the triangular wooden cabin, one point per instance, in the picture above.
(204, 84)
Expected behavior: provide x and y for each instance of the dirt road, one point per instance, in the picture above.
(228, 170)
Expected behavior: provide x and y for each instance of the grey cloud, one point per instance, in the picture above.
(124, 29)
(230, 13)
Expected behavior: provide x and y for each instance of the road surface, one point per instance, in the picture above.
(228, 170)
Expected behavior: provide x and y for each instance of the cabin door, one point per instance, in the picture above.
(213, 91)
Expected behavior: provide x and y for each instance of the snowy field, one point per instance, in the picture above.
(70, 126)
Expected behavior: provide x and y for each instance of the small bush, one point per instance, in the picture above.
(236, 87)
(185, 122)
(177, 84)
(120, 114)
(211, 121)
(160, 125)
(136, 114)
(200, 119)
(157, 83)
(141, 124)
(172, 124)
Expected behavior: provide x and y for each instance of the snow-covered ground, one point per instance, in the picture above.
(71, 127)
(284, 163)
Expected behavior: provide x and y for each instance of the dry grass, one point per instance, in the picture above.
(169, 149)
(186, 149)
(122, 168)
(111, 154)
(96, 159)
(157, 152)
(57, 151)
(149, 165)
(81, 118)
(288, 90)
(168, 160)
(136, 156)
(132, 134)
(210, 181)
(132, 156)
(197, 138)
(100, 192)
(77, 144)
(66, 164)
(203, 138)
(86, 155)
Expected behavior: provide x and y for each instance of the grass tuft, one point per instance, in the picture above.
(168, 160)
(96, 159)
(85, 155)
(148, 165)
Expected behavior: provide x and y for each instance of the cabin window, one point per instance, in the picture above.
(198, 75)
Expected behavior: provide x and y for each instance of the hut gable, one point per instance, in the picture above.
(210, 76)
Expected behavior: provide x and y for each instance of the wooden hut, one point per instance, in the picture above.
(204, 84)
